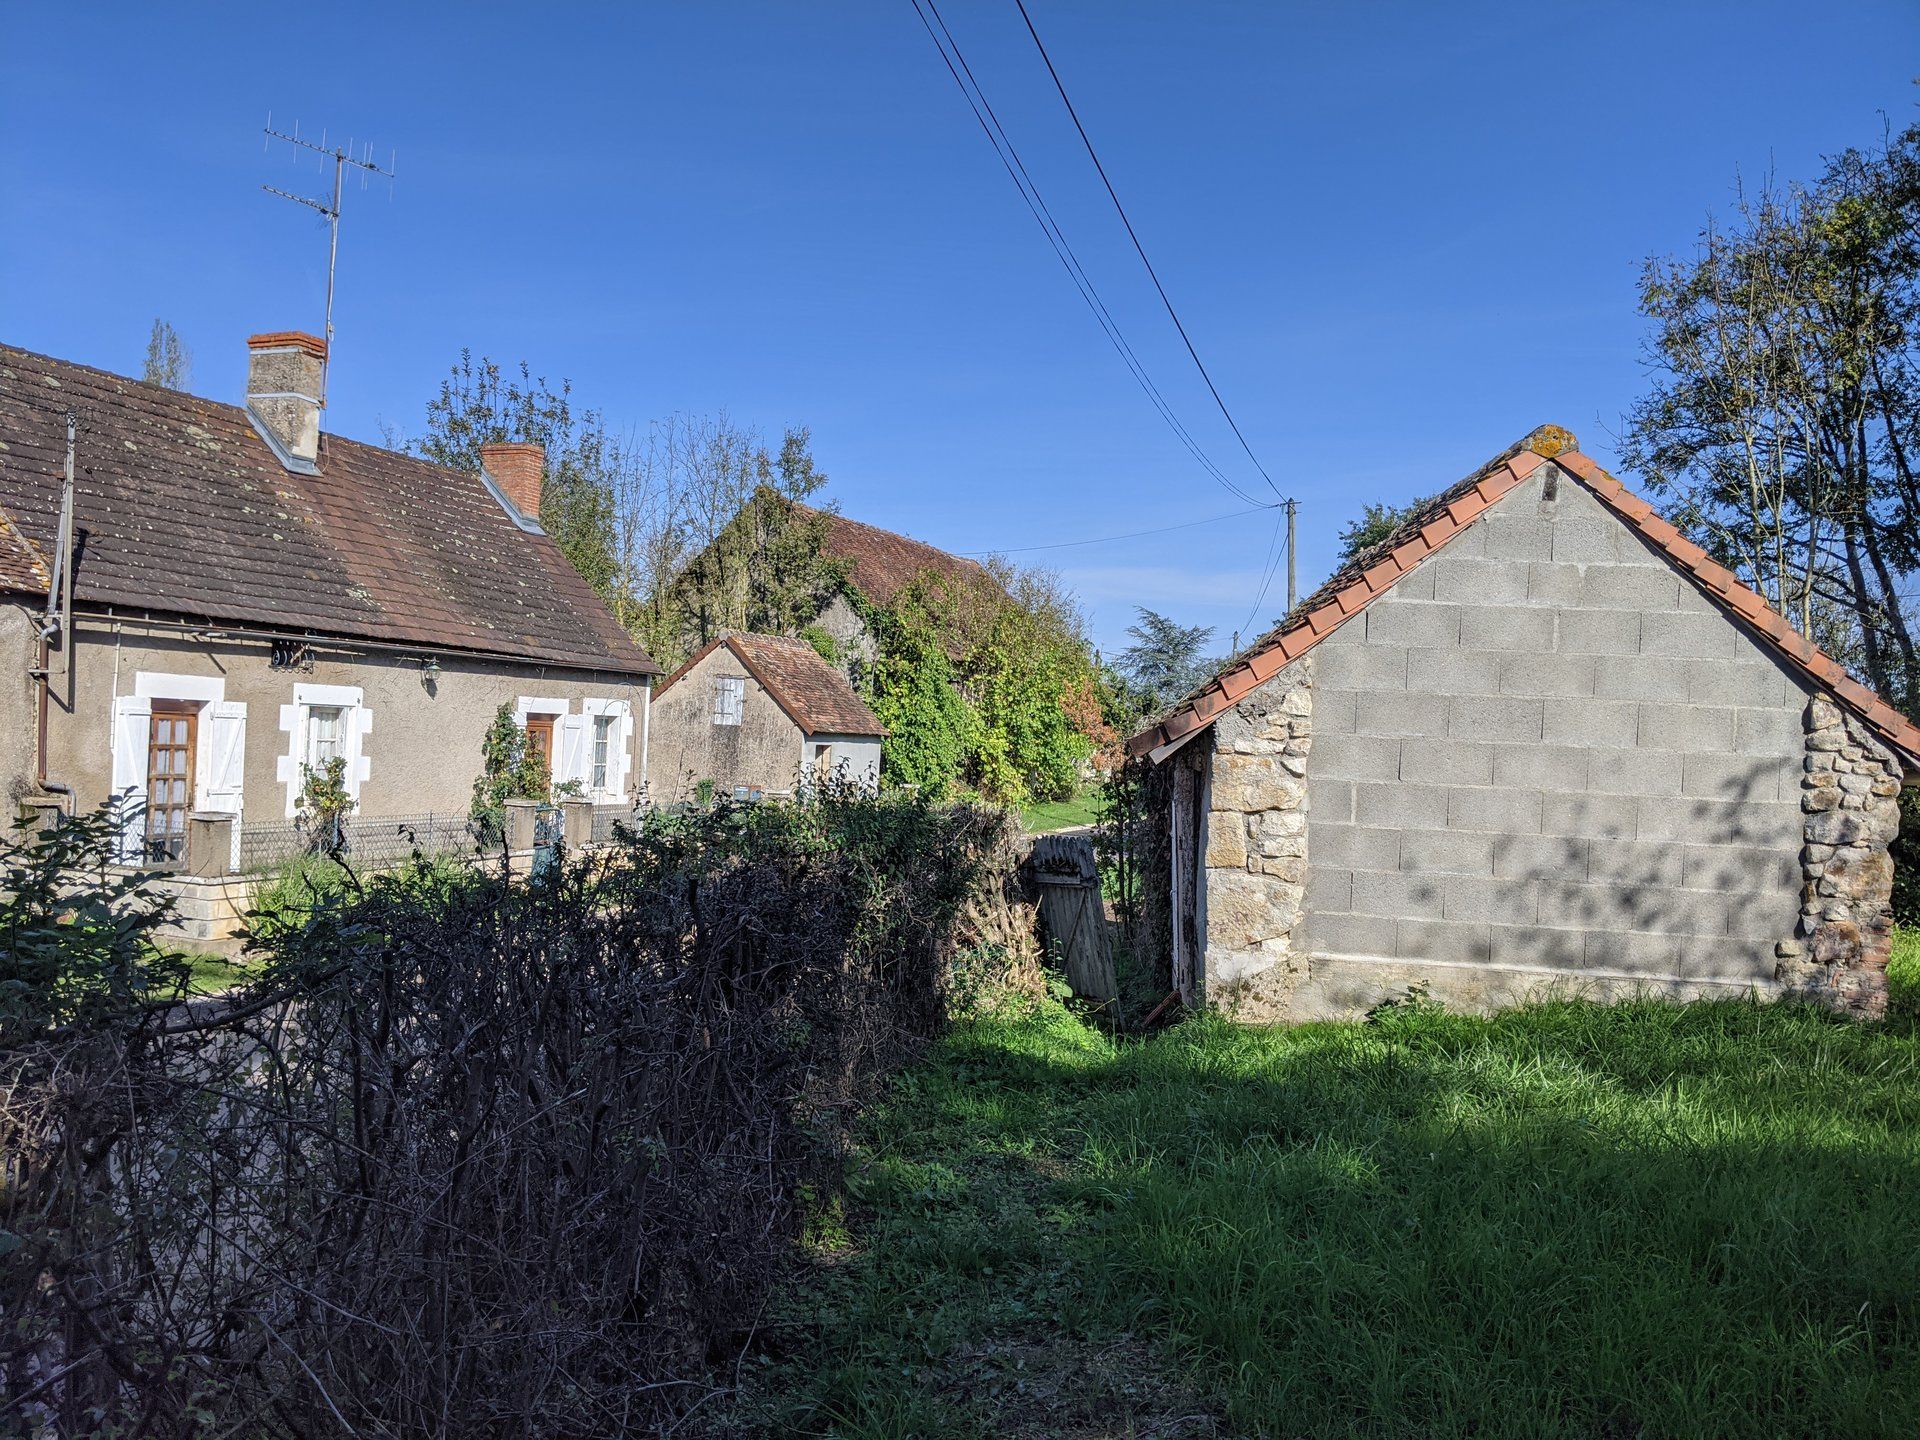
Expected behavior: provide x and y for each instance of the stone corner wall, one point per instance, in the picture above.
(1255, 863)
(1851, 796)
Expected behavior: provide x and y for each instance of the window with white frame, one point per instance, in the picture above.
(601, 768)
(729, 699)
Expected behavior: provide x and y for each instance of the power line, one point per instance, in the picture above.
(1009, 156)
(1140, 250)
(1130, 535)
(1272, 567)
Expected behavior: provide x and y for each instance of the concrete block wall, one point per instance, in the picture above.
(1545, 752)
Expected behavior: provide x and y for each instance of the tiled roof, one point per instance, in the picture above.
(21, 567)
(1374, 571)
(183, 509)
(880, 564)
(815, 694)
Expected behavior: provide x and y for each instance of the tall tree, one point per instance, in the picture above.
(1164, 661)
(168, 361)
(480, 403)
(1783, 423)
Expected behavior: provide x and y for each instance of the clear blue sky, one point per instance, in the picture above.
(1401, 234)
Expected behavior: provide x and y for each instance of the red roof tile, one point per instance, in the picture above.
(816, 695)
(183, 509)
(1369, 575)
(880, 564)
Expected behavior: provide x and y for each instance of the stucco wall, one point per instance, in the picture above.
(19, 698)
(855, 759)
(762, 751)
(422, 746)
(1542, 755)
(850, 634)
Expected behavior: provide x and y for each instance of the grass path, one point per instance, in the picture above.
(1569, 1221)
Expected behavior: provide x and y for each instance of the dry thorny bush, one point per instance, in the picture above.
(472, 1155)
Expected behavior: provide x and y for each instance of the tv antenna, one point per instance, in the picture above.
(342, 156)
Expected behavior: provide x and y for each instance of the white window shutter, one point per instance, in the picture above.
(132, 721)
(227, 775)
(357, 723)
(621, 761)
(572, 761)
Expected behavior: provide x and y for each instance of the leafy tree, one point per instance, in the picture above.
(510, 769)
(480, 403)
(931, 731)
(1164, 661)
(168, 361)
(1376, 523)
(1782, 428)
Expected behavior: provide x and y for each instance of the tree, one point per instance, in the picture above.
(510, 769)
(480, 404)
(1782, 428)
(1164, 661)
(1376, 523)
(168, 361)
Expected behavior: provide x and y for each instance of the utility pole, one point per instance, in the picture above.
(342, 157)
(1293, 589)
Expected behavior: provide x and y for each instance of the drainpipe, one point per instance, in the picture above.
(57, 621)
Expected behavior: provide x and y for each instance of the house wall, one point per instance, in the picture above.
(855, 758)
(19, 699)
(1543, 760)
(851, 637)
(762, 752)
(421, 748)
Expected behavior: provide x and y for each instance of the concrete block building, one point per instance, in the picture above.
(1533, 741)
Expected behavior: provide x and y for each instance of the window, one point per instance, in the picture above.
(170, 744)
(326, 736)
(602, 752)
(729, 699)
(823, 761)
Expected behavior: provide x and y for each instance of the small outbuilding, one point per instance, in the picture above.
(1535, 740)
(761, 714)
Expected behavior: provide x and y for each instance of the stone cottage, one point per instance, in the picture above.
(757, 715)
(201, 602)
(1535, 740)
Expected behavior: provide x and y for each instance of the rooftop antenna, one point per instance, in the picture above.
(342, 156)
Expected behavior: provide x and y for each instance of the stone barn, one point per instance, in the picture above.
(1535, 740)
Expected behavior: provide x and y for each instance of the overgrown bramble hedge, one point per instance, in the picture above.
(473, 1156)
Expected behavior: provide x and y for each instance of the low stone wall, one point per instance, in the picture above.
(1256, 848)
(1851, 795)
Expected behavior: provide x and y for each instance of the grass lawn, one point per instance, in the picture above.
(1082, 809)
(1646, 1221)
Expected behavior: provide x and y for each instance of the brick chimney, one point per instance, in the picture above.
(283, 394)
(515, 467)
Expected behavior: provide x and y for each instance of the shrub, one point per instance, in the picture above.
(472, 1155)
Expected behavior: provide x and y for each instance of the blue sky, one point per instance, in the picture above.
(1400, 234)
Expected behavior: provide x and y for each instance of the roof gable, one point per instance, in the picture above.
(1376, 570)
(815, 695)
(182, 508)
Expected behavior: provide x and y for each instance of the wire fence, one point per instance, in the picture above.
(371, 840)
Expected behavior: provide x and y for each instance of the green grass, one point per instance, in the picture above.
(1571, 1221)
(1082, 809)
(1903, 971)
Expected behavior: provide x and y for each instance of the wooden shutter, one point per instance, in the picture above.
(132, 718)
(227, 771)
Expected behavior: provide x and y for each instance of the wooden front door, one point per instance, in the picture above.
(170, 745)
(540, 741)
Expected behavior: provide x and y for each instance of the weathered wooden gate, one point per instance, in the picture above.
(1073, 920)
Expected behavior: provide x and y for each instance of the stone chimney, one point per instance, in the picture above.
(514, 466)
(283, 394)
